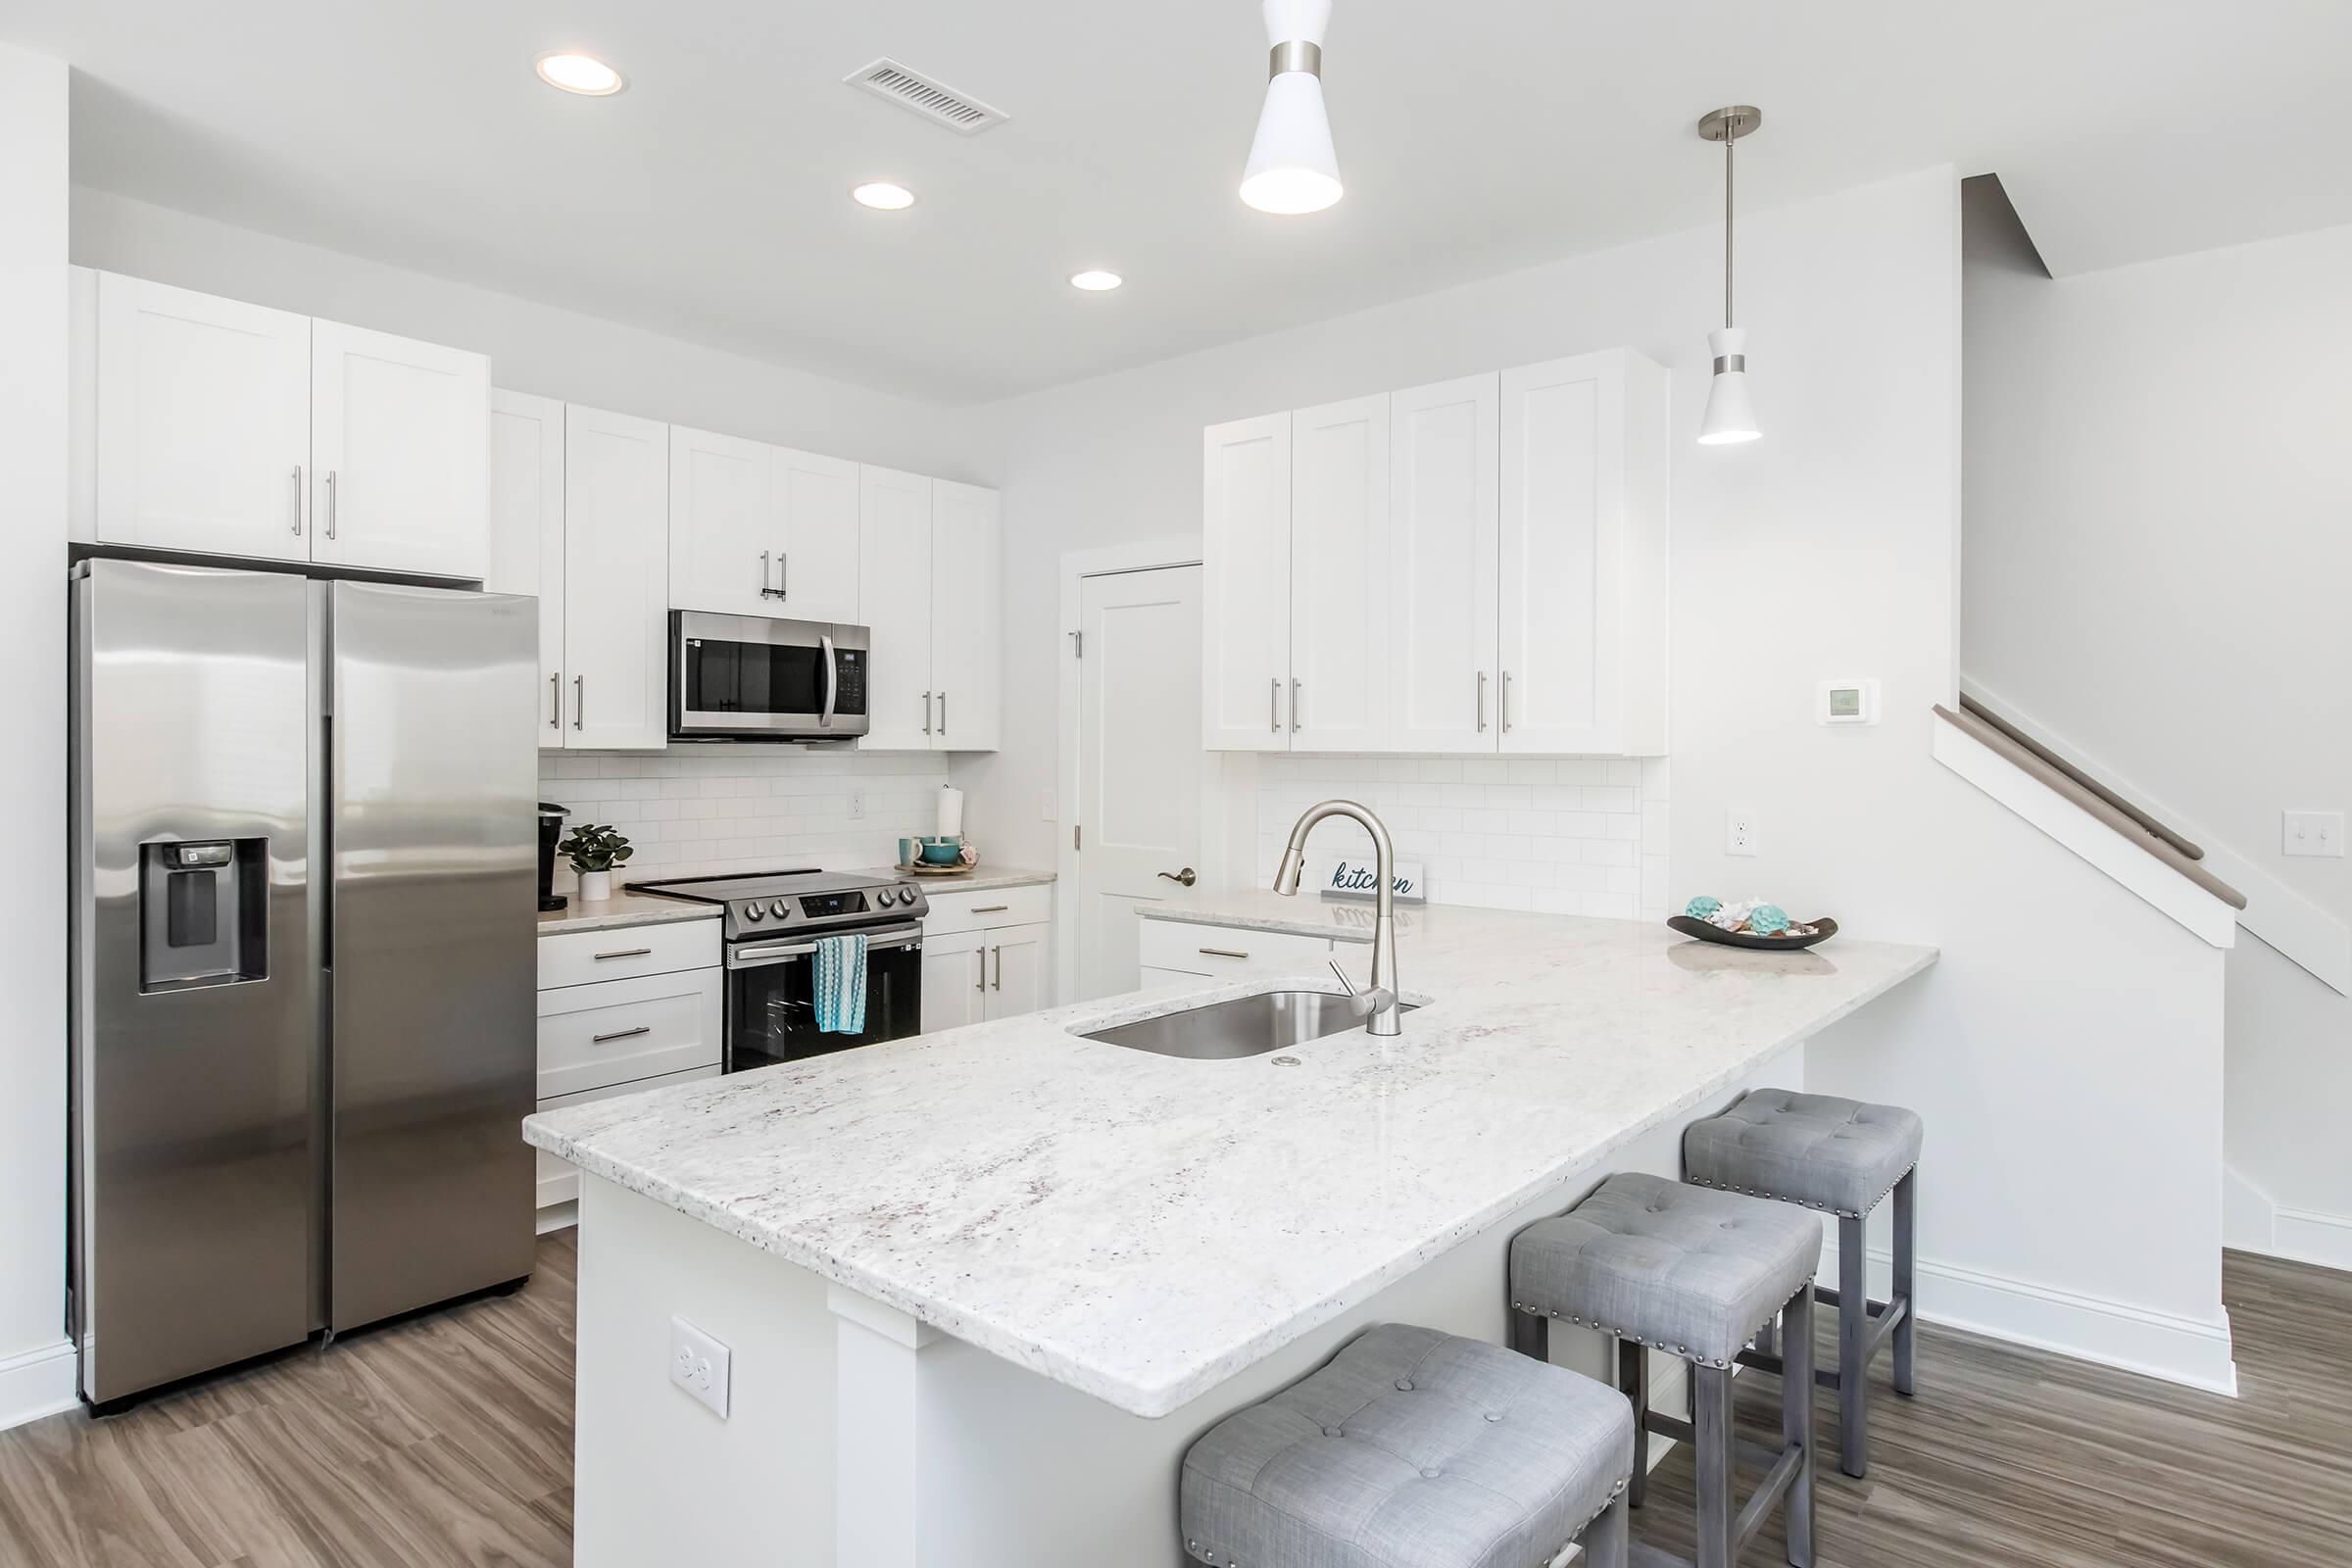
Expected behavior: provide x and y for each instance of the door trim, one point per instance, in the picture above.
(1219, 771)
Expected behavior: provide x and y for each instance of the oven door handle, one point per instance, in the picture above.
(832, 682)
(883, 942)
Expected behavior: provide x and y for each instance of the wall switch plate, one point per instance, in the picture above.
(1741, 833)
(857, 806)
(2314, 833)
(1048, 806)
(698, 1363)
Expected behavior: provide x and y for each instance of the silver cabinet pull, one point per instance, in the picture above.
(1221, 952)
(579, 702)
(981, 984)
(1506, 702)
(623, 952)
(999, 969)
(991, 908)
(1274, 704)
(765, 592)
(1184, 878)
(1295, 688)
(622, 1034)
(926, 712)
(555, 701)
(330, 503)
(1482, 702)
(783, 575)
(942, 712)
(298, 501)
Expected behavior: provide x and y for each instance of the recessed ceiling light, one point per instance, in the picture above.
(584, 75)
(882, 194)
(1094, 280)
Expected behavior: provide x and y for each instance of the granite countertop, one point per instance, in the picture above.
(1141, 1227)
(980, 879)
(626, 908)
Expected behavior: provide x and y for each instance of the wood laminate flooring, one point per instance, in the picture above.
(447, 1441)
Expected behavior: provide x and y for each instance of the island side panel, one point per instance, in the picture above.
(995, 1464)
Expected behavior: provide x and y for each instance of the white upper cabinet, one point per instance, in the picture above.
(1245, 585)
(527, 531)
(1339, 578)
(1442, 555)
(814, 503)
(203, 423)
(615, 580)
(1583, 634)
(967, 616)
(894, 602)
(400, 449)
(724, 545)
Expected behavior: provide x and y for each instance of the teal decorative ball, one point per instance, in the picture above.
(1768, 919)
(1700, 908)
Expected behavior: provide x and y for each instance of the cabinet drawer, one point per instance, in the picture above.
(1222, 949)
(578, 958)
(559, 1179)
(593, 1037)
(961, 910)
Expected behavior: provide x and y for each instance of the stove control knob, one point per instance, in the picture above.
(779, 909)
(753, 912)
(888, 897)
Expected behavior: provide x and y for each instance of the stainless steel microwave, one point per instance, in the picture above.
(750, 678)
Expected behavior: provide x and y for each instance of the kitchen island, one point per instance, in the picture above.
(981, 1288)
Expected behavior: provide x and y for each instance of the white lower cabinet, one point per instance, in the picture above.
(986, 956)
(954, 980)
(1181, 947)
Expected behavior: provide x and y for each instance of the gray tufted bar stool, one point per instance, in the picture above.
(1412, 1448)
(1844, 1158)
(1693, 1273)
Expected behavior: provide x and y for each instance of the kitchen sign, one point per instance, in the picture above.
(1348, 877)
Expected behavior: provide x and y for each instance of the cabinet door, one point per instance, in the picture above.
(723, 545)
(894, 598)
(1563, 503)
(204, 423)
(1340, 659)
(400, 439)
(967, 620)
(954, 980)
(1017, 970)
(527, 531)
(1245, 585)
(615, 579)
(814, 530)
(1444, 690)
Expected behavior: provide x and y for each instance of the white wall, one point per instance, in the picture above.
(35, 1372)
(2070, 1082)
(2159, 531)
(533, 348)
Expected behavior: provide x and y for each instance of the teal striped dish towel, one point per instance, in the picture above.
(841, 985)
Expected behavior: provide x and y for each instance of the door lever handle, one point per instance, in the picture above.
(1183, 878)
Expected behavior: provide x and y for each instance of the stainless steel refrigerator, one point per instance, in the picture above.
(304, 881)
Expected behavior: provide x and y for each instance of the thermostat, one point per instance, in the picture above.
(1846, 702)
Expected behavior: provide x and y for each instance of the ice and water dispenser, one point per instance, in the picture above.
(203, 912)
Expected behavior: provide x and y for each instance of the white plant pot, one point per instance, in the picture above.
(595, 886)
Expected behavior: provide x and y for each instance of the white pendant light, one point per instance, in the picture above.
(1293, 168)
(1730, 416)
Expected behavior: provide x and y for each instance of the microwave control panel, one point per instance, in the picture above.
(849, 693)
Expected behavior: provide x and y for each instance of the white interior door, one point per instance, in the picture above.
(400, 439)
(1339, 696)
(967, 620)
(615, 580)
(894, 598)
(527, 531)
(1443, 685)
(1139, 762)
(1246, 589)
(1562, 536)
(203, 423)
(723, 545)
(814, 527)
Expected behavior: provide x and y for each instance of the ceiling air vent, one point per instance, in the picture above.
(910, 89)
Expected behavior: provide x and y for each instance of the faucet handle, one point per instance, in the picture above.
(1364, 1002)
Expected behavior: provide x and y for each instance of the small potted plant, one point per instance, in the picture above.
(594, 852)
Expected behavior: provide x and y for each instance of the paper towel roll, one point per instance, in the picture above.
(951, 811)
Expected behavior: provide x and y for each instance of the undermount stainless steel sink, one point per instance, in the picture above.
(1246, 1026)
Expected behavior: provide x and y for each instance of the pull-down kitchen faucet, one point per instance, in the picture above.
(1379, 1001)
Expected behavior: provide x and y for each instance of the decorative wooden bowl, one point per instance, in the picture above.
(1822, 929)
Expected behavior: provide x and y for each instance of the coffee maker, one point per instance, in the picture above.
(550, 829)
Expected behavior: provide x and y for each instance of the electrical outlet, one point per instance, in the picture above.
(698, 1364)
(2314, 833)
(857, 806)
(1741, 833)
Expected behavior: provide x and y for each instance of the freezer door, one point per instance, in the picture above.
(434, 784)
(195, 992)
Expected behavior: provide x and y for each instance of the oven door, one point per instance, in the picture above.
(746, 677)
(772, 998)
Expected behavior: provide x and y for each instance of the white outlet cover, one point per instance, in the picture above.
(2319, 833)
(1742, 834)
(700, 1365)
(857, 806)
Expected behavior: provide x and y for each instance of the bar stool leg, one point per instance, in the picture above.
(1906, 1220)
(1609, 1539)
(1531, 1336)
(1633, 1381)
(1711, 1430)
(1796, 1422)
(1854, 1346)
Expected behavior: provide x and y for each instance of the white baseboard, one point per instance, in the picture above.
(37, 1382)
(2305, 1236)
(2133, 1339)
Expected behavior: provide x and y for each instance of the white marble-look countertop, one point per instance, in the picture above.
(1142, 1227)
(982, 878)
(622, 908)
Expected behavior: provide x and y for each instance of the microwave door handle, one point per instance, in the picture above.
(832, 681)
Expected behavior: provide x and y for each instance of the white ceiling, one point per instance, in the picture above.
(709, 201)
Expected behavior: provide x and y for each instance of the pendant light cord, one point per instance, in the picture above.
(1728, 140)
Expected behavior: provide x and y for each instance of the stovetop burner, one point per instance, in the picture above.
(767, 903)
